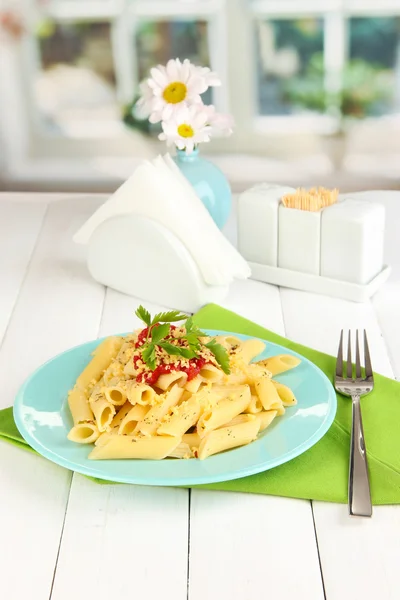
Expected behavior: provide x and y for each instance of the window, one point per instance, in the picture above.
(374, 53)
(158, 41)
(329, 62)
(75, 85)
(287, 66)
(286, 49)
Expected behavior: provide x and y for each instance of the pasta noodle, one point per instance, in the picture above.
(125, 446)
(164, 382)
(266, 417)
(268, 394)
(121, 414)
(142, 400)
(224, 411)
(149, 424)
(210, 373)
(192, 439)
(281, 363)
(255, 405)
(186, 415)
(84, 431)
(139, 393)
(181, 451)
(249, 349)
(229, 437)
(102, 357)
(238, 420)
(229, 341)
(115, 393)
(193, 385)
(102, 409)
(285, 394)
(132, 418)
(79, 406)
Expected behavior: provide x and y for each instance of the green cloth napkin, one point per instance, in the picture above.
(321, 472)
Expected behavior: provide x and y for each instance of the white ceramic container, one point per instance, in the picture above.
(299, 240)
(258, 209)
(352, 237)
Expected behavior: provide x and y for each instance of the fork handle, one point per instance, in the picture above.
(359, 490)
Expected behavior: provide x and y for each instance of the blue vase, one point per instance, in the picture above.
(209, 182)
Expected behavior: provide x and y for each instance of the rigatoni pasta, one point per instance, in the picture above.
(102, 409)
(174, 392)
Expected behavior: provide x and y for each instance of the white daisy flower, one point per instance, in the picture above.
(221, 124)
(186, 128)
(142, 107)
(211, 78)
(173, 86)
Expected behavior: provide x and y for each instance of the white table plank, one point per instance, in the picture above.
(246, 546)
(258, 302)
(316, 321)
(386, 305)
(386, 302)
(140, 533)
(19, 229)
(123, 541)
(357, 555)
(243, 542)
(41, 325)
(59, 306)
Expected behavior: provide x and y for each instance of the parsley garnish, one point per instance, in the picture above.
(159, 332)
(149, 355)
(159, 335)
(144, 315)
(164, 317)
(168, 317)
(221, 355)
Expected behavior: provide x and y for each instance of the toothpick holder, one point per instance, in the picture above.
(337, 251)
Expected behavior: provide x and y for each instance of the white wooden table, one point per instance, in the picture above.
(64, 537)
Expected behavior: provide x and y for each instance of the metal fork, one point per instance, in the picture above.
(355, 387)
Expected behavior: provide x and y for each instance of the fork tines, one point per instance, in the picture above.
(349, 366)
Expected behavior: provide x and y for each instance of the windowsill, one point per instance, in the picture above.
(295, 124)
(105, 174)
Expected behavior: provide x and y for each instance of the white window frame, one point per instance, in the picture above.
(123, 16)
(231, 27)
(336, 14)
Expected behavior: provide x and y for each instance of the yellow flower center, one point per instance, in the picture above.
(185, 131)
(175, 92)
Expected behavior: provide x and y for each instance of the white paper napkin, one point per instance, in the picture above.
(158, 190)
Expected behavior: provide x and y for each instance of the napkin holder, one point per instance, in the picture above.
(140, 257)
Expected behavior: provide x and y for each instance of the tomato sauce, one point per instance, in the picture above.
(191, 370)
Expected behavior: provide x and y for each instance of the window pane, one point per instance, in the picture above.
(289, 53)
(76, 82)
(158, 41)
(373, 77)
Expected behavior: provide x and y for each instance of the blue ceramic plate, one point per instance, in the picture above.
(42, 416)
